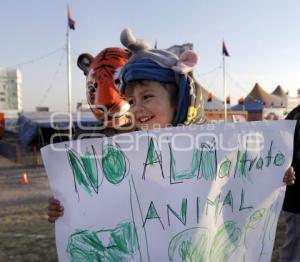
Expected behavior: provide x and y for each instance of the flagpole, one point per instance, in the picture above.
(224, 90)
(69, 83)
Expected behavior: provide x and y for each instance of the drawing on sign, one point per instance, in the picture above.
(118, 244)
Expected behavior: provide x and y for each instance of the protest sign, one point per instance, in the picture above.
(197, 193)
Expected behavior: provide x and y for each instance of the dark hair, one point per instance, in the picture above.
(171, 88)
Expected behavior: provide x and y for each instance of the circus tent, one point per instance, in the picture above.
(268, 100)
(281, 94)
(258, 99)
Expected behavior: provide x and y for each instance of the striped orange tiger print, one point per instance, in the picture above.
(102, 94)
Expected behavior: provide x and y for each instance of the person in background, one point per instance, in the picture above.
(290, 251)
(272, 116)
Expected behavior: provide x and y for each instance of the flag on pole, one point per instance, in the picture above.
(71, 21)
(224, 49)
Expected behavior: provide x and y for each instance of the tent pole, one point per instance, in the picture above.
(224, 91)
(69, 84)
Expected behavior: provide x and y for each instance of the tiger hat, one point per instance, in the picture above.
(103, 96)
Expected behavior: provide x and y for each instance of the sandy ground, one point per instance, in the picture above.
(25, 234)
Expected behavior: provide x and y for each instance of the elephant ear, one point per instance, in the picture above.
(84, 62)
(132, 43)
(187, 62)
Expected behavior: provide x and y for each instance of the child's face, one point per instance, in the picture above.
(150, 104)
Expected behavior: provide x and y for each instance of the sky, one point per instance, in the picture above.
(262, 38)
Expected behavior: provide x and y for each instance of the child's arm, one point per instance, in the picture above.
(289, 176)
(55, 209)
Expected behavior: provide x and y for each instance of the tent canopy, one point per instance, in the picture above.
(249, 106)
(279, 92)
(258, 99)
(32, 124)
(269, 100)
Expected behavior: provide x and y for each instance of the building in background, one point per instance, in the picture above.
(10, 89)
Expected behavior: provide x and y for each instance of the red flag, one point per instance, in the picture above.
(209, 97)
(228, 100)
(224, 49)
(71, 21)
(241, 101)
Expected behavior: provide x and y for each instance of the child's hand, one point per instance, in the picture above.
(289, 176)
(55, 210)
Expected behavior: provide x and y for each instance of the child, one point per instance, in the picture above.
(159, 80)
(161, 92)
(159, 96)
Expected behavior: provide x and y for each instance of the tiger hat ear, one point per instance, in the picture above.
(84, 62)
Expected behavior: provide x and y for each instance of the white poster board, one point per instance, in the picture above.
(197, 193)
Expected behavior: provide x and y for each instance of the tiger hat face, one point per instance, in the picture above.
(102, 94)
